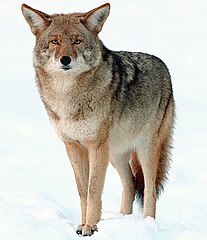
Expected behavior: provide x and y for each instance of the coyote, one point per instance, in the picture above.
(106, 106)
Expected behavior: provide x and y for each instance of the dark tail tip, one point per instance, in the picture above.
(138, 179)
(139, 186)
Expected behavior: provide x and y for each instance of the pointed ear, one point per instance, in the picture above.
(95, 19)
(38, 21)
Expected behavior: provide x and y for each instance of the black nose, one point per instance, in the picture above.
(65, 60)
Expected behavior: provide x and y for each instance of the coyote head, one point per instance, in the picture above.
(66, 43)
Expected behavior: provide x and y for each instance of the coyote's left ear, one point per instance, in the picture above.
(95, 19)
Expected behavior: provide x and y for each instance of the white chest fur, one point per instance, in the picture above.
(76, 130)
(75, 119)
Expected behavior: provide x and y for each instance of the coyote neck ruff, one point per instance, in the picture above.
(105, 106)
(72, 103)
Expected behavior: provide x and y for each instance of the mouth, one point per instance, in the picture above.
(66, 68)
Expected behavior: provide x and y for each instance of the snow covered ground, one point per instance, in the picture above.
(36, 217)
(38, 197)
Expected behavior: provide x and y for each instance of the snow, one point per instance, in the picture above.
(38, 196)
(37, 217)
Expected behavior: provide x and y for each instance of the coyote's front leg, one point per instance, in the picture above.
(98, 161)
(79, 160)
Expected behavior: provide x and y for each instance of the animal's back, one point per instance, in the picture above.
(143, 89)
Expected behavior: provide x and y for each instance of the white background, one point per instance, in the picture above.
(38, 197)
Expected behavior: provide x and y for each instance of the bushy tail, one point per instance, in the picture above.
(161, 174)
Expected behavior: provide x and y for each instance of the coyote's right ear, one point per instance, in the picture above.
(38, 21)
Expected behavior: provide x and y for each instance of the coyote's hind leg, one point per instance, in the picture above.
(149, 160)
(122, 165)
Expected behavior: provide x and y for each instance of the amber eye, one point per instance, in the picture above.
(55, 42)
(77, 41)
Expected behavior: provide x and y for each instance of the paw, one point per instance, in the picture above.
(89, 230)
(79, 229)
